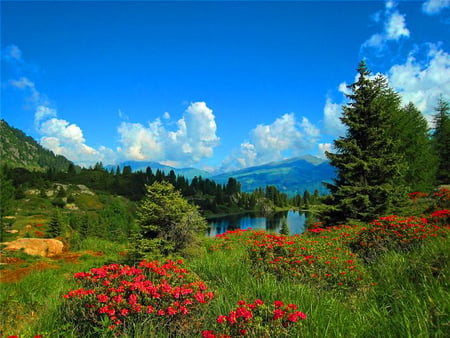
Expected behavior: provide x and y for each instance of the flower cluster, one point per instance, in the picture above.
(398, 233)
(257, 319)
(323, 262)
(227, 240)
(115, 296)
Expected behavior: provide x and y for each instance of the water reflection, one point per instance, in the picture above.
(295, 222)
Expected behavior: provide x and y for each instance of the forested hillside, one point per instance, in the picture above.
(20, 150)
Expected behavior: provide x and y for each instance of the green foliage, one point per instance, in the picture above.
(368, 181)
(19, 150)
(120, 299)
(284, 228)
(409, 129)
(54, 227)
(441, 141)
(394, 233)
(168, 223)
(7, 194)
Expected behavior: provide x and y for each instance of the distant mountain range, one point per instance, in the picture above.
(291, 176)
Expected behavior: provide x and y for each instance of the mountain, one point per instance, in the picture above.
(18, 150)
(188, 173)
(292, 176)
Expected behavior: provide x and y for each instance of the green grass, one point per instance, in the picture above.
(410, 296)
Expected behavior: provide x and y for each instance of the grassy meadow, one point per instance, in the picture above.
(390, 278)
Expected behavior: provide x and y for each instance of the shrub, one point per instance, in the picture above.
(397, 233)
(123, 299)
(257, 319)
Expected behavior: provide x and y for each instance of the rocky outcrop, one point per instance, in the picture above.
(36, 246)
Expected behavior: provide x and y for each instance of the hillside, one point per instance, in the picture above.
(20, 150)
(292, 176)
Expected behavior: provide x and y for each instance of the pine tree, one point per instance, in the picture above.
(368, 182)
(441, 140)
(54, 228)
(410, 128)
(168, 223)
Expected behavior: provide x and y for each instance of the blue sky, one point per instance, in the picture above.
(213, 85)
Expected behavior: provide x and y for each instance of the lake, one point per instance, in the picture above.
(295, 221)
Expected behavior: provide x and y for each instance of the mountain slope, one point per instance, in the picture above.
(292, 176)
(18, 150)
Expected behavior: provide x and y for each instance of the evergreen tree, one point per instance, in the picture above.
(168, 223)
(441, 141)
(368, 182)
(7, 193)
(54, 228)
(284, 228)
(409, 127)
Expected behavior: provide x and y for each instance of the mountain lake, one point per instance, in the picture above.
(294, 219)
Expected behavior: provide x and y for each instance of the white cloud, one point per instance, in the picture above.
(422, 83)
(67, 139)
(394, 27)
(43, 112)
(194, 139)
(284, 137)
(435, 6)
(323, 147)
(26, 84)
(331, 118)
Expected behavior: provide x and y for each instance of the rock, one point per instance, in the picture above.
(37, 246)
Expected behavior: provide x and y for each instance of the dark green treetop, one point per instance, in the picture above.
(441, 140)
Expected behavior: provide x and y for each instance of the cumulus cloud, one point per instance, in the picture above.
(435, 6)
(67, 139)
(422, 82)
(284, 137)
(394, 27)
(193, 140)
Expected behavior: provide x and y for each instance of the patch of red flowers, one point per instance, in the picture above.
(114, 296)
(257, 319)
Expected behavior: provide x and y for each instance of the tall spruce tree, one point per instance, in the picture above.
(410, 128)
(441, 141)
(368, 180)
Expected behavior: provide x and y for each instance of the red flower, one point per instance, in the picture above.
(208, 334)
(277, 314)
(221, 319)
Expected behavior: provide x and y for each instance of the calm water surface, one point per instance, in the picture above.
(273, 223)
